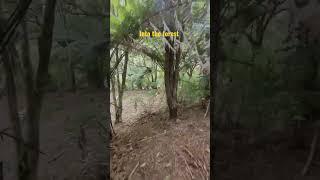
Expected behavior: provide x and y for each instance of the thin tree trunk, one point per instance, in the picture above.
(25, 164)
(113, 90)
(113, 87)
(154, 77)
(73, 85)
(123, 85)
(155, 73)
(117, 82)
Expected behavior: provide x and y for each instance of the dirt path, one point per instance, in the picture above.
(154, 148)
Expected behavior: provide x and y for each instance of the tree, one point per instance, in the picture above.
(172, 54)
(120, 85)
(27, 144)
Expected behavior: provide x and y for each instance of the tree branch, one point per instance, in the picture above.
(4, 133)
(13, 22)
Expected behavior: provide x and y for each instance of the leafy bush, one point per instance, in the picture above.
(192, 90)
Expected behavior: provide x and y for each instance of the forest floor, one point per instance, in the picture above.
(147, 145)
(273, 157)
(155, 148)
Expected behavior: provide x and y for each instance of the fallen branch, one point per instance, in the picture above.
(188, 167)
(208, 108)
(312, 152)
(132, 172)
(147, 138)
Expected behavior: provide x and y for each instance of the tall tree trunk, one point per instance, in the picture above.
(171, 75)
(122, 87)
(25, 165)
(214, 67)
(35, 96)
(154, 76)
(113, 88)
(118, 119)
(13, 106)
(108, 74)
(73, 85)
(114, 98)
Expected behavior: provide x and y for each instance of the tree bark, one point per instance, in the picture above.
(171, 75)
(107, 84)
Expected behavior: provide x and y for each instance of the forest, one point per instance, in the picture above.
(160, 89)
(265, 59)
(83, 96)
(75, 75)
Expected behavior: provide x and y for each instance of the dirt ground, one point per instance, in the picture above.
(158, 149)
(271, 158)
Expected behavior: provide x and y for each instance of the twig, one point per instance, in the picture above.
(312, 152)
(21, 141)
(208, 108)
(56, 157)
(132, 172)
(188, 167)
(141, 140)
(188, 152)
